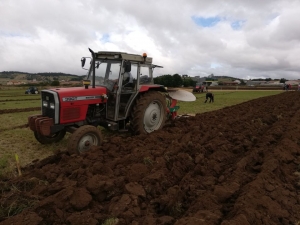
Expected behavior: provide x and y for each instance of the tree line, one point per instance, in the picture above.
(174, 81)
(178, 81)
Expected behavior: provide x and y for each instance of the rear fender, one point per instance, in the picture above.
(143, 90)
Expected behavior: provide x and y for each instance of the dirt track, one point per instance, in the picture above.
(235, 166)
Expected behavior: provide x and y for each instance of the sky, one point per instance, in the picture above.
(238, 38)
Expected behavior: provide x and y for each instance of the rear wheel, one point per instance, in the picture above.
(84, 138)
(51, 139)
(149, 113)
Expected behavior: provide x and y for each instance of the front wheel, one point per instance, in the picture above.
(84, 138)
(51, 139)
(149, 113)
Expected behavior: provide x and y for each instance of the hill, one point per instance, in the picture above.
(25, 77)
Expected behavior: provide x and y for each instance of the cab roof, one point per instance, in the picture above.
(123, 56)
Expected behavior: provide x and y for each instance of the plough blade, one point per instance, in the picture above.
(182, 95)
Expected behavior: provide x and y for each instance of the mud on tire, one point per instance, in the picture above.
(84, 138)
(149, 113)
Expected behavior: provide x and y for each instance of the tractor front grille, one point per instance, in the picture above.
(50, 105)
(71, 113)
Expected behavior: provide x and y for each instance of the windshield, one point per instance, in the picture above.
(106, 73)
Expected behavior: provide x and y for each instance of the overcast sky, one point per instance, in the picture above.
(239, 38)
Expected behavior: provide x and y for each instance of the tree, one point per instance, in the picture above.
(188, 82)
(157, 80)
(282, 80)
(165, 80)
(55, 83)
(177, 80)
(168, 80)
(76, 79)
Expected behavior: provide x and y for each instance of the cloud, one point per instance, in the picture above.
(233, 38)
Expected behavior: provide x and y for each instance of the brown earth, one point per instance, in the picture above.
(238, 165)
(3, 111)
(19, 100)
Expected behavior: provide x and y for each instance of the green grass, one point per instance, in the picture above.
(21, 141)
(111, 221)
(15, 119)
(5, 160)
(19, 97)
(222, 99)
(16, 93)
(20, 104)
(12, 91)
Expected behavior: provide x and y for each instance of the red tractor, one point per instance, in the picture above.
(199, 87)
(118, 93)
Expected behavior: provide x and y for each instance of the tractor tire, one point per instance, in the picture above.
(149, 113)
(49, 140)
(84, 138)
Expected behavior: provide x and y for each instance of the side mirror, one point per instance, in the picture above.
(97, 65)
(82, 62)
(127, 66)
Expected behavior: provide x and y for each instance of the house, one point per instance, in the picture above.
(230, 83)
(293, 82)
(237, 81)
(273, 83)
(14, 83)
(254, 83)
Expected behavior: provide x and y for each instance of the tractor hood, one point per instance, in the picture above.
(76, 94)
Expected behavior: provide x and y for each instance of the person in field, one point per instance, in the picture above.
(209, 96)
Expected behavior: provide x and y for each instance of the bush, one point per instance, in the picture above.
(55, 83)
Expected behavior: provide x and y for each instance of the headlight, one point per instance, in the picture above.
(52, 105)
(45, 103)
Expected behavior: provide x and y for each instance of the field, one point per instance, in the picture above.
(227, 165)
(15, 107)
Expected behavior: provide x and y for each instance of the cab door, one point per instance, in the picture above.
(112, 75)
(127, 93)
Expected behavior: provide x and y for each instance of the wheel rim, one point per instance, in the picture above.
(153, 116)
(87, 141)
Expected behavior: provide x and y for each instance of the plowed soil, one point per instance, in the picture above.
(4, 111)
(238, 165)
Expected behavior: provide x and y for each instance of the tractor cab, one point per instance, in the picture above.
(124, 76)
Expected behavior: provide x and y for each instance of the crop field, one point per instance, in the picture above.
(235, 162)
(16, 138)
